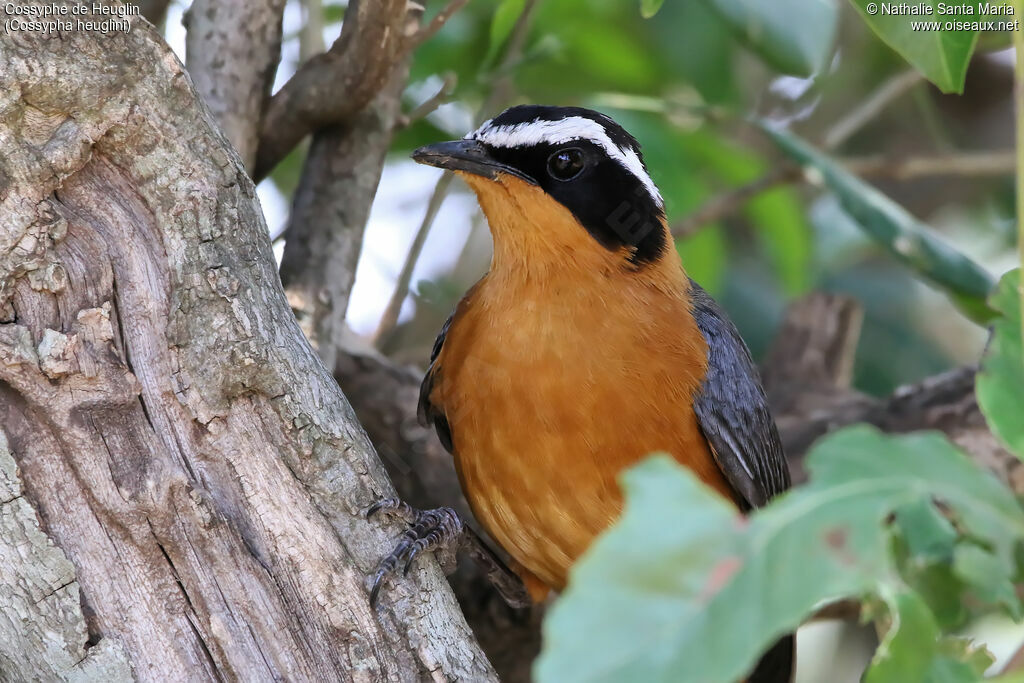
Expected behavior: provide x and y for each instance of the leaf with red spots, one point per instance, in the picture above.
(721, 573)
(678, 590)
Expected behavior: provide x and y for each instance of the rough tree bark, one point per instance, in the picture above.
(232, 51)
(375, 36)
(323, 241)
(324, 235)
(182, 478)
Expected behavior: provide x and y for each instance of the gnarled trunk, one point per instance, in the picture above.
(183, 479)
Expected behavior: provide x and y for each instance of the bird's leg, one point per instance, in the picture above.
(509, 585)
(441, 529)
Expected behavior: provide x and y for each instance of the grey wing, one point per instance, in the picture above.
(733, 411)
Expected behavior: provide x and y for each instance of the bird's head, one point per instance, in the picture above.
(560, 184)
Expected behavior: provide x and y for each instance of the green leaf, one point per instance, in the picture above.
(941, 56)
(800, 47)
(990, 575)
(1000, 383)
(683, 588)
(892, 227)
(914, 648)
(909, 646)
(648, 8)
(334, 12)
(505, 16)
(959, 661)
(937, 585)
(924, 549)
(928, 533)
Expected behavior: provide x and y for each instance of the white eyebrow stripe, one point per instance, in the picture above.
(565, 130)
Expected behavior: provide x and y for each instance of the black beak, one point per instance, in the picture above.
(468, 156)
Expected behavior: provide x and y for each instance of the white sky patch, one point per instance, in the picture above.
(565, 130)
(791, 87)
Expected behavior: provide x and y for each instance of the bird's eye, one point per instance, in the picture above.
(565, 164)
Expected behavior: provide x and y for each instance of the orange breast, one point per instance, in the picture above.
(550, 395)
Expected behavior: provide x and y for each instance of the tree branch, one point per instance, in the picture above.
(733, 200)
(873, 105)
(334, 86)
(807, 377)
(233, 49)
(434, 25)
(963, 164)
(430, 105)
(389, 319)
(324, 234)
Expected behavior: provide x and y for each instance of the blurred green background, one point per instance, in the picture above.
(686, 83)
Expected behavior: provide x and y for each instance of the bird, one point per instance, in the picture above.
(584, 348)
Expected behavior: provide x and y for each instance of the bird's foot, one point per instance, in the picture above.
(429, 530)
(442, 529)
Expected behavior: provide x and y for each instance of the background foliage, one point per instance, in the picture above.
(686, 83)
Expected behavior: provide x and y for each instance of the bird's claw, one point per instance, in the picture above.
(429, 530)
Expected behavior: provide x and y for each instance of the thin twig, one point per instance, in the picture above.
(967, 164)
(870, 108)
(502, 87)
(430, 105)
(389, 319)
(728, 202)
(732, 200)
(1015, 662)
(440, 19)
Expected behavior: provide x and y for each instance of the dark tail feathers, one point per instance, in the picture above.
(776, 666)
